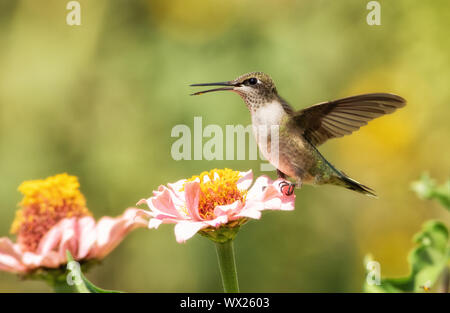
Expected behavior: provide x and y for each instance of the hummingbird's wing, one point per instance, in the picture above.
(341, 117)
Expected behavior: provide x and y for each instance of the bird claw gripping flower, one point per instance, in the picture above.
(214, 204)
(53, 218)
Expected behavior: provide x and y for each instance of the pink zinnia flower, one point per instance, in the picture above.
(53, 218)
(214, 202)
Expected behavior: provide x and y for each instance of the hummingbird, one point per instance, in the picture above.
(301, 132)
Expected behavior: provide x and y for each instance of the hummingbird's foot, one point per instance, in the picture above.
(287, 188)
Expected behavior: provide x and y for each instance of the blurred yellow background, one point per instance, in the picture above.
(99, 101)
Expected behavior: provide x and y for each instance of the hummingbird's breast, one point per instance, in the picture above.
(268, 123)
(283, 147)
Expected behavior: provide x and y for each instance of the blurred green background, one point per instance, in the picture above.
(99, 101)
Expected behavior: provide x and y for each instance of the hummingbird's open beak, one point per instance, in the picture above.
(230, 86)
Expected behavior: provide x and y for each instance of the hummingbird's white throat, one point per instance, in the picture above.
(268, 114)
(266, 120)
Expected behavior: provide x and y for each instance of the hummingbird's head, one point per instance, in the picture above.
(254, 88)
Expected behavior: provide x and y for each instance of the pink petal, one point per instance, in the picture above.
(177, 186)
(142, 201)
(245, 181)
(10, 257)
(288, 205)
(151, 218)
(186, 229)
(162, 219)
(103, 236)
(175, 191)
(252, 209)
(250, 213)
(61, 237)
(192, 196)
(258, 188)
(144, 214)
(154, 223)
(228, 209)
(87, 236)
(163, 203)
(168, 219)
(53, 259)
(110, 232)
(220, 220)
(177, 198)
(69, 237)
(50, 241)
(272, 204)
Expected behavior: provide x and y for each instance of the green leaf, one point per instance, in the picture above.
(79, 281)
(427, 261)
(426, 189)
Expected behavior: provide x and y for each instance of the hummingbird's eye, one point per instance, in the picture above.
(252, 81)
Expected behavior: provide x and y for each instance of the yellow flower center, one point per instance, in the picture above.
(45, 203)
(218, 187)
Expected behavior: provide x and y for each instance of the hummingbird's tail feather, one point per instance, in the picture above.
(352, 184)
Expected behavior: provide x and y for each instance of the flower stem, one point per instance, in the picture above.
(63, 287)
(445, 281)
(227, 265)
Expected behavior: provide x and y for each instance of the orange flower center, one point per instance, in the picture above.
(45, 203)
(218, 187)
